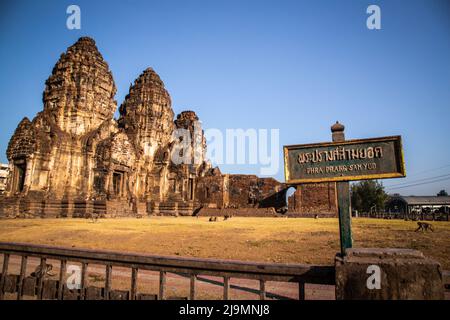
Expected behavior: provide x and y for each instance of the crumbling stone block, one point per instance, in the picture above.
(49, 289)
(119, 295)
(94, 293)
(404, 274)
(147, 296)
(11, 281)
(71, 294)
(29, 286)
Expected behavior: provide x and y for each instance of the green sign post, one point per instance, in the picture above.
(342, 161)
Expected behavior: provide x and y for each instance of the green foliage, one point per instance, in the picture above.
(442, 193)
(367, 194)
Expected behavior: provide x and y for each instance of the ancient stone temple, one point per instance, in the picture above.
(75, 160)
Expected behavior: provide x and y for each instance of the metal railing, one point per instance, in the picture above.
(190, 267)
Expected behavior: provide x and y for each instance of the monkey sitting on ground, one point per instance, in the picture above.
(213, 219)
(42, 272)
(424, 226)
(282, 210)
(226, 217)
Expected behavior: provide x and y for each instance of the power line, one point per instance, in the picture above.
(419, 180)
(429, 170)
(419, 184)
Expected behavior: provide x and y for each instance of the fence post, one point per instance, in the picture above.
(343, 192)
(23, 270)
(134, 275)
(226, 288)
(262, 290)
(162, 284)
(62, 273)
(192, 293)
(84, 267)
(41, 276)
(4, 275)
(108, 281)
(301, 291)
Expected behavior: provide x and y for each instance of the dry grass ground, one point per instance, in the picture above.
(253, 239)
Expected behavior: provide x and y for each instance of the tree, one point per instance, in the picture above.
(442, 193)
(367, 194)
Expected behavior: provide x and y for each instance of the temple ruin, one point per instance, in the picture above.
(75, 160)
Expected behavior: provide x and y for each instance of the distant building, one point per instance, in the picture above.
(4, 170)
(419, 207)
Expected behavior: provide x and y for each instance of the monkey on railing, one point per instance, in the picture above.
(43, 272)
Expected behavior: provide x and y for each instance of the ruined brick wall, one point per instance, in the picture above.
(235, 191)
(210, 191)
(317, 198)
(247, 191)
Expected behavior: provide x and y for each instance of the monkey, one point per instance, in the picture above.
(316, 216)
(94, 217)
(196, 212)
(39, 272)
(226, 217)
(282, 210)
(213, 219)
(424, 226)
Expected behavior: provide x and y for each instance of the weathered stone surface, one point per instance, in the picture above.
(315, 198)
(405, 274)
(215, 190)
(79, 94)
(11, 282)
(146, 296)
(49, 289)
(94, 293)
(147, 115)
(23, 142)
(29, 286)
(119, 295)
(71, 294)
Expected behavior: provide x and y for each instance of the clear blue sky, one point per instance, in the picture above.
(293, 65)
